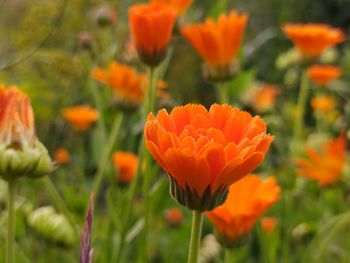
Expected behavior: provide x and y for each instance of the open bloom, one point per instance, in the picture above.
(264, 98)
(80, 117)
(151, 28)
(180, 6)
(62, 156)
(269, 224)
(322, 103)
(127, 85)
(173, 216)
(313, 39)
(247, 200)
(217, 42)
(325, 164)
(205, 151)
(126, 165)
(322, 75)
(21, 153)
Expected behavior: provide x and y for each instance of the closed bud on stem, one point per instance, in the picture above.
(21, 153)
(52, 226)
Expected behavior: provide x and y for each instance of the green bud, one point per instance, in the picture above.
(52, 226)
(24, 160)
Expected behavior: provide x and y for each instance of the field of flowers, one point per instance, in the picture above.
(174, 131)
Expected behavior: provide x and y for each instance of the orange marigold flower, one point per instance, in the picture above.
(16, 117)
(126, 164)
(269, 224)
(80, 117)
(265, 98)
(323, 103)
(126, 83)
(173, 216)
(62, 156)
(313, 39)
(151, 28)
(247, 200)
(179, 5)
(326, 164)
(217, 42)
(322, 75)
(21, 153)
(205, 151)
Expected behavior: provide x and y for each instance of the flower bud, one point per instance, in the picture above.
(52, 226)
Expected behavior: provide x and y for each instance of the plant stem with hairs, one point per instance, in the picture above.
(196, 230)
(10, 249)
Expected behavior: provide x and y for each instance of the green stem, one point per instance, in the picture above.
(228, 255)
(60, 203)
(302, 100)
(145, 158)
(197, 221)
(148, 107)
(223, 96)
(106, 154)
(10, 251)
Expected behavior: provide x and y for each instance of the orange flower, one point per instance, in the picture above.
(80, 117)
(126, 83)
(247, 200)
(313, 39)
(205, 151)
(321, 75)
(126, 164)
(21, 152)
(324, 165)
(217, 41)
(322, 103)
(62, 156)
(179, 5)
(151, 27)
(173, 216)
(269, 224)
(264, 98)
(16, 117)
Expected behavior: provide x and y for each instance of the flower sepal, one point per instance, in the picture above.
(231, 243)
(220, 73)
(189, 198)
(18, 160)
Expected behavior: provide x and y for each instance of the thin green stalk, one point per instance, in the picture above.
(197, 221)
(145, 158)
(228, 255)
(106, 153)
(148, 107)
(60, 203)
(10, 249)
(302, 101)
(223, 96)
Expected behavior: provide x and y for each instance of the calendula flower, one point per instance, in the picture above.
(325, 164)
(322, 75)
(247, 200)
(151, 28)
(126, 164)
(21, 153)
(313, 39)
(264, 98)
(180, 6)
(62, 156)
(173, 216)
(204, 152)
(127, 85)
(80, 117)
(269, 224)
(217, 42)
(323, 103)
